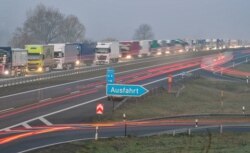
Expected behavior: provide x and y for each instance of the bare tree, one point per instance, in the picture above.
(144, 32)
(43, 24)
(20, 38)
(47, 25)
(72, 30)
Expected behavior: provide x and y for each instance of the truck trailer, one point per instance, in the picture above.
(145, 48)
(13, 62)
(86, 54)
(129, 49)
(107, 52)
(40, 58)
(66, 56)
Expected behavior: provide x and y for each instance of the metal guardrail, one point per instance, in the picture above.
(85, 69)
(52, 75)
(46, 76)
(217, 128)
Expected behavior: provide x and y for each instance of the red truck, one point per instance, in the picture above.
(129, 49)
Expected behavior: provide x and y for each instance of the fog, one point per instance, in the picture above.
(119, 18)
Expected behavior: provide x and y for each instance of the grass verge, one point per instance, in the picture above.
(197, 143)
(200, 96)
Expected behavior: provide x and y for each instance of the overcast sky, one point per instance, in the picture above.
(119, 18)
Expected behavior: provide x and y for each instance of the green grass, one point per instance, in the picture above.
(198, 143)
(199, 96)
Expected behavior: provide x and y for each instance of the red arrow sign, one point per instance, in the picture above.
(99, 109)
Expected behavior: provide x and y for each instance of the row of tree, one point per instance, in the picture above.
(45, 25)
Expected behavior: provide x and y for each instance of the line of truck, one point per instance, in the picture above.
(64, 56)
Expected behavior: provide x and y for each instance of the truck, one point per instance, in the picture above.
(145, 48)
(40, 58)
(180, 45)
(66, 56)
(129, 49)
(107, 52)
(155, 48)
(13, 62)
(165, 46)
(86, 54)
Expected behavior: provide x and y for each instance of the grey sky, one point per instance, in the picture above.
(119, 18)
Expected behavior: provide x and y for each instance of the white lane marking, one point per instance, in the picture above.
(90, 69)
(91, 101)
(56, 112)
(95, 77)
(75, 92)
(100, 86)
(46, 122)
(57, 143)
(26, 125)
(5, 110)
(72, 107)
(45, 100)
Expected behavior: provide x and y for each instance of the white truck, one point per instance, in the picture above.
(145, 48)
(107, 52)
(66, 56)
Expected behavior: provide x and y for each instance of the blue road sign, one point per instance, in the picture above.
(110, 78)
(125, 90)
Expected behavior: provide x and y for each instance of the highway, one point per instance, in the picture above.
(75, 102)
(92, 91)
(55, 105)
(22, 140)
(90, 72)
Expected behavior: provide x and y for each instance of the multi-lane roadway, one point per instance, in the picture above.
(72, 99)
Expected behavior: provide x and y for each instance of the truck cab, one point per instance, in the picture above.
(130, 49)
(4, 61)
(40, 58)
(155, 48)
(107, 52)
(66, 56)
(59, 50)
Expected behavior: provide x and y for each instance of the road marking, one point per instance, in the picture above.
(90, 101)
(62, 142)
(100, 86)
(99, 77)
(5, 110)
(56, 112)
(45, 100)
(26, 125)
(89, 69)
(75, 92)
(48, 123)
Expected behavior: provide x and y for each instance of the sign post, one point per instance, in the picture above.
(170, 81)
(125, 124)
(110, 79)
